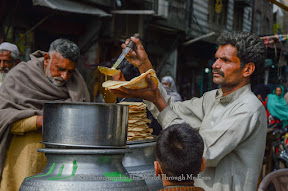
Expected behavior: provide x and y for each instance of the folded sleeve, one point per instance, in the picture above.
(24, 125)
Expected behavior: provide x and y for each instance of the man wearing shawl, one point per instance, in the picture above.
(46, 77)
(170, 87)
(277, 105)
(9, 57)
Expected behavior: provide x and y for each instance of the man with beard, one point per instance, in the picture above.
(46, 77)
(231, 120)
(9, 57)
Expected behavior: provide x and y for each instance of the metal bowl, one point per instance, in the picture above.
(85, 124)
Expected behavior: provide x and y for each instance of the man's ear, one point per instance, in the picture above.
(157, 168)
(46, 59)
(248, 69)
(203, 164)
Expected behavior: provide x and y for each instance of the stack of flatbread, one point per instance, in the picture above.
(138, 82)
(137, 122)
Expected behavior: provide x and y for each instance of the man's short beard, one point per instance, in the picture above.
(4, 70)
(2, 76)
(57, 81)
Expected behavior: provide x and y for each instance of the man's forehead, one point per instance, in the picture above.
(5, 53)
(226, 51)
(59, 60)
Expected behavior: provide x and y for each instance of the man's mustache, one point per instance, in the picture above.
(4, 70)
(218, 71)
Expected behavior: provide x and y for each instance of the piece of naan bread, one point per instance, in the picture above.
(135, 83)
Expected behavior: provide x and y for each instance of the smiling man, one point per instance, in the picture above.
(46, 77)
(231, 120)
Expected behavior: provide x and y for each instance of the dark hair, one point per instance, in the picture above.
(250, 48)
(128, 70)
(66, 48)
(179, 150)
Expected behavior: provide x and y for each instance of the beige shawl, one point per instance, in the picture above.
(24, 91)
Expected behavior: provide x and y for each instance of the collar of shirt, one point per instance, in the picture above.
(232, 96)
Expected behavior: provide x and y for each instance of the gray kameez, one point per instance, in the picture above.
(233, 128)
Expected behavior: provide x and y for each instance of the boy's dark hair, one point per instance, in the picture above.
(179, 150)
(250, 48)
(128, 70)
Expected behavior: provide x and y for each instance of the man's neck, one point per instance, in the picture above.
(228, 90)
(168, 183)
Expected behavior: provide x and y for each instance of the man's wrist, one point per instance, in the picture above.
(145, 66)
(160, 103)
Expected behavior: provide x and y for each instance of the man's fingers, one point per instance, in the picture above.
(123, 45)
(136, 93)
(150, 81)
(137, 41)
(123, 89)
(118, 93)
(123, 92)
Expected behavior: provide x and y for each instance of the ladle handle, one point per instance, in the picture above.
(131, 43)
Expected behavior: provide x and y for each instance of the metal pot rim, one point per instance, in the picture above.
(84, 151)
(62, 145)
(82, 103)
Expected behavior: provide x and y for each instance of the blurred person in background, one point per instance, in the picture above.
(286, 96)
(128, 72)
(261, 91)
(170, 87)
(277, 106)
(9, 57)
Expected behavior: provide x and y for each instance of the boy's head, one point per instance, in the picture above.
(179, 151)
(128, 71)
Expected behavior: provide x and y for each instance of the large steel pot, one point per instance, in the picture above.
(83, 170)
(140, 162)
(78, 124)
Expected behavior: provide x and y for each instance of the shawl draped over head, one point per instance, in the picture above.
(277, 106)
(24, 91)
(172, 90)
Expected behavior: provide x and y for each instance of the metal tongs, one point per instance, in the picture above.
(112, 71)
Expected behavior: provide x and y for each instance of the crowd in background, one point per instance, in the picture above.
(275, 100)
